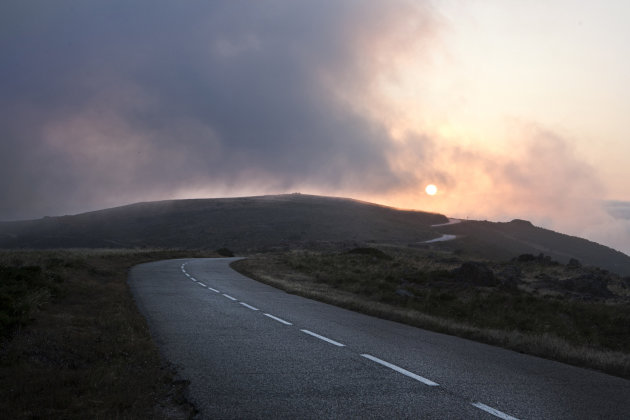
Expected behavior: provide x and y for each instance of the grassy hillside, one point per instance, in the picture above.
(241, 224)
(295, 221)
(501, 241)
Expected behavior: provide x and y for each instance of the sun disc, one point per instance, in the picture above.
(431, 189)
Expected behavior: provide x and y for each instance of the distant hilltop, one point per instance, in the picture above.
(289, 221)
(244, 224)
(521, 222)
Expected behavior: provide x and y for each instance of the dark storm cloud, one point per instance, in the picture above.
(108, 102)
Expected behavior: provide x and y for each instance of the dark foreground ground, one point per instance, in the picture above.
(73, 345)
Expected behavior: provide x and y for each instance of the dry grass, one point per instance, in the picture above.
(593, 335)
(80, 349)
(74, 345)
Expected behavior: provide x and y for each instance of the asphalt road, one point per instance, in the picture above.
(253, 351)
(442, 238)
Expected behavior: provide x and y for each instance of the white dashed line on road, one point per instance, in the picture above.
(401, 370)
(280, 320)
(248, 306)
(321, 337)
(493, 411)
(398, 369)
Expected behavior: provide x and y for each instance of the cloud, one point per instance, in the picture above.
(613, 230)
(107, 103)
(541, 179)
(110, 102)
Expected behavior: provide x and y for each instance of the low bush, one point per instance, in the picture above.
(225, 252)
(372, 252)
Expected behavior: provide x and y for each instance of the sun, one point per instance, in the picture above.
(431, 189)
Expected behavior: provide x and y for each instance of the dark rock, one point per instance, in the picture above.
(510, 276)
(545, 281)
(588, 284)
(525, 258)
(476, 273)
(545, 277)
(546, 259)
(404, 293)
(540, 258)
(224, 252)
(573, 263)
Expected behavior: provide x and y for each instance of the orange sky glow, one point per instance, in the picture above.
(526, 105)
(512, 109)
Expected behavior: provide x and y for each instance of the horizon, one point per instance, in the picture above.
(511, 110)
(608, 203)
(617, 209)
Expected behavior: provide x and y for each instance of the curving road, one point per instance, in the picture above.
(443, 238)
(450, 222)
(252, 351)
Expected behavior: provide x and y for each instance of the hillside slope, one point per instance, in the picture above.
(249, 223)
(263, 223)
(501, 241)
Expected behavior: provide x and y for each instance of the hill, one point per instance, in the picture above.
(501, 241)
(242, 224)
(276, 222)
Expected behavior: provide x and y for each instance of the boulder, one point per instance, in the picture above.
(588, 284)
(404, 293)
(540, 258)
(476, 273)
(510, 275)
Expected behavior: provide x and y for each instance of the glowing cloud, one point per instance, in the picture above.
(372, 100)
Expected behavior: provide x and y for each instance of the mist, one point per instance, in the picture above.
(109, 103)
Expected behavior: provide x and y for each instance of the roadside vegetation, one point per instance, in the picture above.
(574, 314)
(72, 342)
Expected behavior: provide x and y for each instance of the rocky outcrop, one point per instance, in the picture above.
(588, 285)
(540, 259)
(476, 273)
(510, 275)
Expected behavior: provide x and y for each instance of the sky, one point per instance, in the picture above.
(512, 109)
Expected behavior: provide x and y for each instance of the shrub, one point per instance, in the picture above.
(224, 252)
(372, 252)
